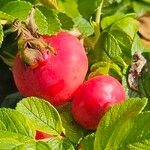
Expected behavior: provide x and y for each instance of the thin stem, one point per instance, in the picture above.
(97, 21)
(98, 13)
(9, 54)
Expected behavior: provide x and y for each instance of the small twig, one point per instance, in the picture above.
(30, 23)
(97, 21)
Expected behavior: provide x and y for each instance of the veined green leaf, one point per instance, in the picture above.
(4, 2)
(66, 22)
(60, 144)
(111, 45)
(17, 9)
(124, 41)
(88, 142)
(128, 25)
(114, 126)
(41, 22)
(72, 131)
(137, 45)
(124, 22)
(13, 121)
(88, 7)
(44, 116)
(83, 25)
(69, 7)
(54, 24)
(137, 134)
(10, 140)
(110, 20)
(5, 18)
(50, 3)
(140, 7)
(40, 145)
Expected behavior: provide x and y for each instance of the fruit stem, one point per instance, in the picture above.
(97, 27)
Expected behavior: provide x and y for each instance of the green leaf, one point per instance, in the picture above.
(5, 18)
(66, 22)
(4, 2)
(17, 9)
(137, 45)
(60, 144)
(16, 122)
(21, 10)
(124, 22)
(137, 135)
(44, 116)
(115, 7)
(124, 41)
(88, 142)
(99, 68)
(54, 24)
(129, 26)
(10, 140)
(69, 7)
(111, 45)
(2, 126)
(120, 62)
(103, 68)
(115, 71)
(41, 22)
(88, 7)
(113, 128)
(42, 146)
(50, 3)
(72, 131)
(140, 7)
(1, 34)
(111, 20)
(145, 144)
(84, 26)
(39, 145)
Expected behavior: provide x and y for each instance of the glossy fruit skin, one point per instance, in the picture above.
(56, 78)
(41, 135)
(93, 98)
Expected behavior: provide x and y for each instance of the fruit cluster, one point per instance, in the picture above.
(59, 78)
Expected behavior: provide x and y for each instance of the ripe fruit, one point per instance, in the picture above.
(92, 99)
(41, 135)
(57, 76)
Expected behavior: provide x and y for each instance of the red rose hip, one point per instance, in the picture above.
(56, 77)
(92, 99)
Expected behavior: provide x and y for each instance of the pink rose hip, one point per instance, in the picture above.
(92, 99)
(56, 77)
